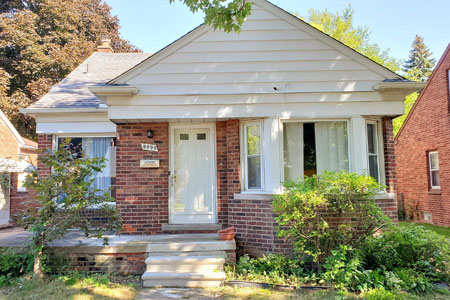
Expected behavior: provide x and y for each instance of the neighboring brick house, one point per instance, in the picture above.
(200, 135)
(423, 151)
(17, 155)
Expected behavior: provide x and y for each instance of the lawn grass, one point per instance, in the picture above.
(228, 293)
(68, 288)
(445, 231)
(101, 288)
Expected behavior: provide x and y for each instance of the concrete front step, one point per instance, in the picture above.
(185, 279)
(194, 246)
(189, 253)
(182, 264)
(195, 263)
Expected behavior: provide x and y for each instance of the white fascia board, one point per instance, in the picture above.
(114, 91)
(76, 128)
(291, 110)
(46, 110)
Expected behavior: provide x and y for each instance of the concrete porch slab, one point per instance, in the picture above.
(75, 242)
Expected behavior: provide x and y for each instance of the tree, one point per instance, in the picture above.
(221, 14)
(41, 41)
(420, 63)
(409, 103)
(61, 198)
(340, 26)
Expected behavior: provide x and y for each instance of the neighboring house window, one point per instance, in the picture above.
(373, 159)
(93, 147)
(311, 148)
(435, 179)
(21, 178)
(253, 155)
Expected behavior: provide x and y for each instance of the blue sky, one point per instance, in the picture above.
(153, 24)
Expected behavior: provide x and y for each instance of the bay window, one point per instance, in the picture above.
(311, 148)
(93, 147)
(253, 155)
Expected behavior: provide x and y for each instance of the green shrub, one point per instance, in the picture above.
(14, 264)
(273, 268)
(424, 251)
(324, 211)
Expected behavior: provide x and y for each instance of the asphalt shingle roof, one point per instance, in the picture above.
(99, 68)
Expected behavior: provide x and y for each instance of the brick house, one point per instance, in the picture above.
(201, 134)
(423, 151)
(17, 155)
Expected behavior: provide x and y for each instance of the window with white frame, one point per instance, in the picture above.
(311, 148)
(373, 159)
(92, 147)
(435, 180)
(253, 169)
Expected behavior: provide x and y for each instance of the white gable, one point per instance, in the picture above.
(269, 55)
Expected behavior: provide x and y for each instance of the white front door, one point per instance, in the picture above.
(193, 178)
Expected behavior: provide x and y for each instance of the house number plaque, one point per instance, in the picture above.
(149, 147)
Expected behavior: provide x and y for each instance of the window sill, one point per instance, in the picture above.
(384, 195)
(434, 192)
(253, 196)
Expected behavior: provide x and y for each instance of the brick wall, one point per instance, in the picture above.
(389, 155)
(426, 129)
(255, 226)
(10, 145)
(142, 195)
(222, 186)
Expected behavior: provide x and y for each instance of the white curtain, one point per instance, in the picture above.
(293, 151)
(331, 146)
(100, 147)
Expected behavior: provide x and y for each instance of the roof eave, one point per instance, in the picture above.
(46, 110)
(404, 87)
(114, 90)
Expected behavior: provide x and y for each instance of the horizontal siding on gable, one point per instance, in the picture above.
(255, 35)
(254, 46)
(195, 57)
(261, 14)
(265, 87)
(269, 55)
(272, 66)
(248, 77)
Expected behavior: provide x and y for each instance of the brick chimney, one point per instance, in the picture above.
(105, 45)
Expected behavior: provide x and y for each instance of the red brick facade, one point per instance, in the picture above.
(142, 195)
(426, 129)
